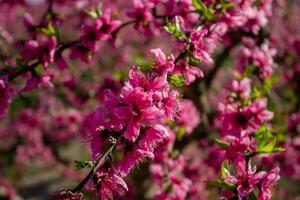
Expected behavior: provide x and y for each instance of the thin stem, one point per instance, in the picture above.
(100, 161)
(23, 70)
(34, 65)
(181, 55)
(48, 11)
(115, 32)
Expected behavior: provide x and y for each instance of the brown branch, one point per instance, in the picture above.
(117, 30)
(99, 162)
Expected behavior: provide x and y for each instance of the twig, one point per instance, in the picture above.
(117, 30)
(23, 70)
(100, 161)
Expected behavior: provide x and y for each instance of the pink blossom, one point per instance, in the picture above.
(256, 19)
(261, 57)
(242, 87)
(270, 179)
(204, 41)
(107, 25)
(189, 116)
(99, 31)
(169, 103)
(152, 137)
(141, 12)
(238, 120)
(80, 52)
(43, 50)
(110, 184)
(245, 179)
(7, 191)
(163, 65)
(189, 73)
(238, 147)
(34, 81)
(139, 108)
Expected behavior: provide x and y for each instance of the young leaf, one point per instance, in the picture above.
(180, 133)
(224, 168)
(96, 12)
(175, 29)
(176, 80)
(49, 30)
(79, 164)
(206, 12)
(192, 60)
(221, 143)
(222, 184)
(252, 196)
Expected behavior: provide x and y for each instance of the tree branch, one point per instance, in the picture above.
(100, 161)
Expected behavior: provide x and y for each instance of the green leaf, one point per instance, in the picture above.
(268, 147)
(49, 30)
(180, 133)
(206, 12)
(268, 83)
(249, 70)
(256, 93)
(192, 60)
(79, 164)
(226, 5)
(96, 12)
(221, 143)
(39, 70)
(175, 153)
(222, 184)
(177, 80)
(279, 149)
(266, 141)
(252, 196)
(175, 29)
(224, 168)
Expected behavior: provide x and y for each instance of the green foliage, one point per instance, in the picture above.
(79, 164)
(23, 101)
(221, 143)
(175, 29)
(49, 30)
(192, 60)
(180, 133)
(222, 184)
(252, 196)
(175, 153)
(268, 83)
(177, 80)
(225, 168)
(256, 93)
(266, 141)
(96, 12)
(206, 12)
(39, 70)
(226, 5)
(249, 70)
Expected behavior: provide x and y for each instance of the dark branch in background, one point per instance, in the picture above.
(23, 70)
(34, 65)
(48, 11)
(115, 32)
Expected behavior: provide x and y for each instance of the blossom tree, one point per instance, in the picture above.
(149, 99)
